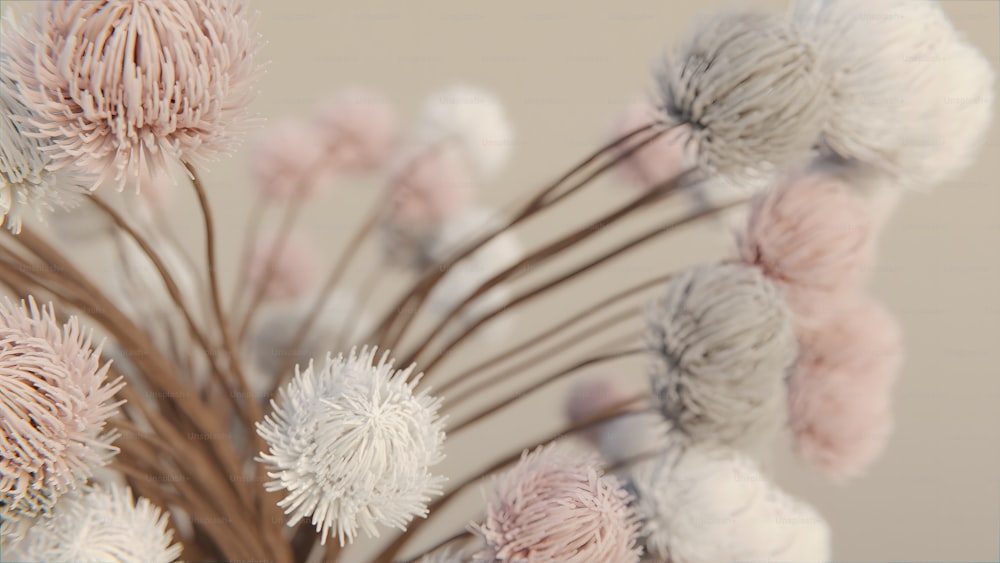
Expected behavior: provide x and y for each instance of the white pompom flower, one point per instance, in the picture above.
(705, 504)
(908, 95)
(472, 118)
(352, 444)
(98, 525)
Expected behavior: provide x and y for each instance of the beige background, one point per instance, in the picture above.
(563, 68)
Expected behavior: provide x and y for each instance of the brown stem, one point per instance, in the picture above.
(656, 194)
(391, 328)
(538, 339)
(525, 364)
(546, 286)
(511, 399)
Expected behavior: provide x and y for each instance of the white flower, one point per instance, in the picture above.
(709, 504)
(473, 119)
(352, 444)
(908, 94)
(96, 526)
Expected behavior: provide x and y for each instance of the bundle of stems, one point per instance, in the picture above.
(192, 447)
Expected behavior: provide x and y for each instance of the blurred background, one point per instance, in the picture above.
(563, 69)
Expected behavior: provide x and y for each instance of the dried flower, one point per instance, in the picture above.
(359, 128)
(294, 269)
(840, 391)
(25, 179)
(705, 504)
(352, 444)
(124, 86)
(814, 239)
(474, 121)
(721, 340)
(749, 87)
(557, 506)
(291, 161)
(98, 525)
(660, 160)
(430, 185)
(907, 93)
(55, 400)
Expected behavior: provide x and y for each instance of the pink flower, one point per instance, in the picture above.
(290, 161)
(814, 239)
(555, 506)
(294, 271)
(124, 86)
(54, 401)
(433, 184)
(359, 127)
(840, 390)
(657, 162)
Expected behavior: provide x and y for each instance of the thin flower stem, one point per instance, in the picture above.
(613, 412)
(538, 339)
(512, 399)
(525, 364)
(553, 283)
(250, 233)
(174, 291)
(325, 293)
(658, 193)
(391, 328)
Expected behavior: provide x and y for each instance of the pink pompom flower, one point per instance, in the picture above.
(54, 400)
(590, 398)
(359, 128)
(814, 239)
(294, 270)
(151, 81)
(840, 390)
(430, 185)
(556, 506)
(290, 161)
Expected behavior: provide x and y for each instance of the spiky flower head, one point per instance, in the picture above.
(26, 183)
(750, 89)
(558, 506)
(352, 444)
(721, 339)
(55, 400)
(98, 525)
(704, 504)
(122, 86)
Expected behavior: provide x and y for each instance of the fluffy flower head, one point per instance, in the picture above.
(55, 400)
(121, 86)
(908, 95)
(812, 237)
(705, 504)
(360, 127)
(721, 339)
(99, 525)
(660, 160)
(556, 506)
(472, 119)
(749, 87)
(840, 391)
(352, 445)
(289, 161)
